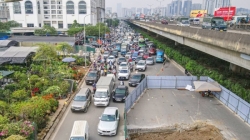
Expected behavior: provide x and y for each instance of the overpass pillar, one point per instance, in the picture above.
(176, 43)
(237, 69)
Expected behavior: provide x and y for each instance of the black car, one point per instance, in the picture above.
(92, 77)
(136, 79)
(138, 58)
(121, 59)
(115, 53)
(120, 94)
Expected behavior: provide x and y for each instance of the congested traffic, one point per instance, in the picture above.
(121, 65)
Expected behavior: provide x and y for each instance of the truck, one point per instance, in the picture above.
(124, 50)
(160, 56)
(104, 89)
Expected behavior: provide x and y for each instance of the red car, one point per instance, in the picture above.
(146, 55)
(152, 51)
(164, 22)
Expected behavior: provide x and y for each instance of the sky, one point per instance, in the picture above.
(145, 3)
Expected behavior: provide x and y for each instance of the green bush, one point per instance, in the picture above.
(15, 137)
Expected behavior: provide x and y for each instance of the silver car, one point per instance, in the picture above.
(128, 55)
(111, 58)
(141, 65)
(150, 61)
(82, 100)
(109, 121)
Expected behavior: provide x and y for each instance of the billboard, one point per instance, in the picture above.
(197, 13)
(225, 12)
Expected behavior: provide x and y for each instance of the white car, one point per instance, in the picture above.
(123, 65)
(109, 121)
(141, 65)
(111, 58)
(128, 55)
(124, 74)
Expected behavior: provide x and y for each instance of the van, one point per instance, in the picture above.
(80, 131)
(82, 100)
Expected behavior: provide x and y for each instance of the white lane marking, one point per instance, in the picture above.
(191, 118)
(193, 96)
(157, 119)
(173, 93)
(148, 94)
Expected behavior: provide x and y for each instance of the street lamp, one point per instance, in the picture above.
(84, 36)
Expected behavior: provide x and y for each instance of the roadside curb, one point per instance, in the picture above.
(62, 111)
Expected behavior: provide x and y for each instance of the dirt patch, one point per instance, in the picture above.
(196, 131)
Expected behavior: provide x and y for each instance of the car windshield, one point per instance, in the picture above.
(77, 138)
(101, 94)
(91, 74)
(120, 91)
(80, 98)
(106, 53)
(139, 58)
(129, 53)
(108, 118)
(111, 57)
(122, 59)
(141, 63)
(136, 77)
(185, 22)
(158, 56)
(123, 65)
(123, 71)
(150, 59)
(114, 52)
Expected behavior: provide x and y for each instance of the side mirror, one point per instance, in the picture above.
(99, 118)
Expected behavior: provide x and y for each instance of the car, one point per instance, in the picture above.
(164, 22)
(114, 53)
(138, 58)
(141, 65)
(152, 51)
(92, 77)
(123, 74)
(111, 58)
(128, 55)
(150, 61)
(120, 60)
(132, 50)
(146, 55)
(123, 65)
(82, 100)
(109, 121)
(120, 94)
(136, 79)
(106, 54)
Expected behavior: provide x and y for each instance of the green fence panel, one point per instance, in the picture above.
(78, 48)
(125, 125)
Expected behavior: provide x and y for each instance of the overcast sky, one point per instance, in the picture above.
(145, 3)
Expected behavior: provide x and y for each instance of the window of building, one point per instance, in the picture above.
(69, 25)
(70, 7)
(82, 7)
(47, 23)
(40, 25)
(38, 7)
(30, 25)
(17, 7)
(28, 7)
(60, 24)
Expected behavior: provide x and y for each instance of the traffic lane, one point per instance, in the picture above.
(64, 128)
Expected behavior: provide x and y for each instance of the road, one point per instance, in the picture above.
(64, 128)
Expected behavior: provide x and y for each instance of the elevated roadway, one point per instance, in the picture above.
(229, 46)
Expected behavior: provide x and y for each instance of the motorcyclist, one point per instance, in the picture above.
(94, 87)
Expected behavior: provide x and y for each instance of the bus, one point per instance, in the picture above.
(194, 21)
(214, 23)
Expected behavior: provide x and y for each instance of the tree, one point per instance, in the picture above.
(64, 47)
(75, 28)
(46, 30)
(5, 26)
(45, 52)
(112, 22)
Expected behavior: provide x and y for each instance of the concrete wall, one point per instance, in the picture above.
(231, 41)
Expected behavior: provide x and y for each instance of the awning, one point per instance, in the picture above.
(8, 43)
(205, 86)
(5, 73)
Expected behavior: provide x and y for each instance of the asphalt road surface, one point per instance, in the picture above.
(64, 128)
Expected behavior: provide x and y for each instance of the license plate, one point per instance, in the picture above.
(118, 99)
(221, 30)
(77, 109)
(140, 69)
(133, 84)
(90, 82)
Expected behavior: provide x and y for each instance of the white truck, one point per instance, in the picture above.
(104, 89)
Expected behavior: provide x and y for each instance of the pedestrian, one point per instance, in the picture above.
(94, 87)
(105, 72)
(102, 71)
(114, 72)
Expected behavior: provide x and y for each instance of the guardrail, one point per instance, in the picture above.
(231, 100)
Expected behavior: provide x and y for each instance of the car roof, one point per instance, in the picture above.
(82, 91)
(111, 56)
(150, 58)
(93, 71)
(121, 58)
(142, 61)
(120, 86)
(110, 110)
(124, 63)
(139, 74)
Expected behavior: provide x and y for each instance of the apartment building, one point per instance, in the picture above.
(100, 10)
(4, 11)
(57, 13)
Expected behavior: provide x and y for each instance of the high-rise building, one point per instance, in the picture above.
(139, 10)
(176, 7)
(187, 6)
(133, 10)
(108, 10)
(119, 9)
(56, 13)
(146, 11)
(168, 10)
(196, 6)
(211, 5)
(4, 12)
(124, 12)
(100, 7)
